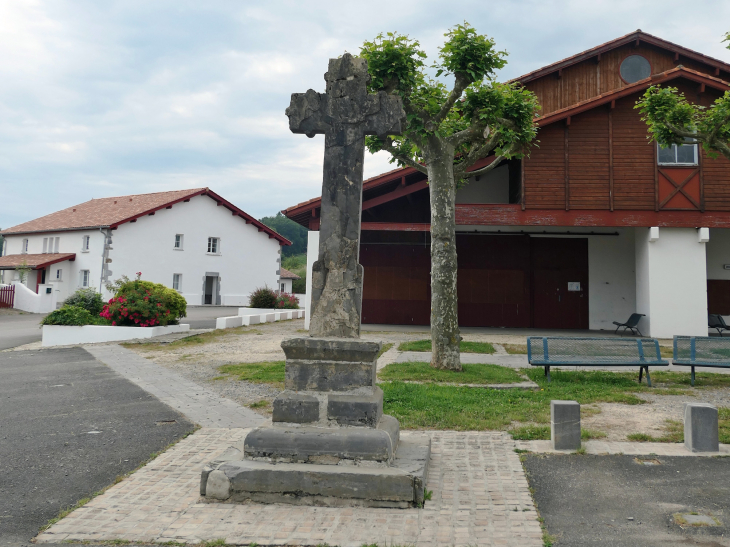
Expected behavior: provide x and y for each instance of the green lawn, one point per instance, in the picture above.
(385, 348)
(470, 374)
(267, 372)
(466, 347)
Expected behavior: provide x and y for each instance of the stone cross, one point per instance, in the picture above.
(344, 114)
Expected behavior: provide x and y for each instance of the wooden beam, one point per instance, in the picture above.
(636, 44)
(676, 56)
(151, 214)
(522, 181)
(701, 89)
(512, 215)
(396, 226)
(717, 71)
(598, 58)
(567, 167)
(610, 158)
(402, 181)
(399, 192)
(168, 207)
(613, 104)
(314, 213)
(560, 73)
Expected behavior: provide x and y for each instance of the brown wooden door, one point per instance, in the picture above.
(493, 280)
(396, 284)
(558, 264)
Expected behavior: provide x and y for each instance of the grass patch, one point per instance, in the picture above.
(433, 406)
(470, 374)
(588, 434)
(673, 433)
(531, 433)
(266, 372)
(263, 403)
(682, 379)
(385, 348)
(465, 347)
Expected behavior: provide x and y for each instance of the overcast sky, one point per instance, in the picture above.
(103, 98)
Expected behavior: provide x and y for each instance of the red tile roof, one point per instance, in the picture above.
(10, 262)
(286, 274)
(114, 211)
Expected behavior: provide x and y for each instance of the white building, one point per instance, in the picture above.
(194, 241)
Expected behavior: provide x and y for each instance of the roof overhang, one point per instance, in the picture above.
(635, 37)
(34, 262)
(606, 98)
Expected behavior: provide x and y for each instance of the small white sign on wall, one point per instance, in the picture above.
(573, 285)
(726, 266)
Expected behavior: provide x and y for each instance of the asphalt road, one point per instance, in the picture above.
(17, 329)
(606, 501)
(69, 425)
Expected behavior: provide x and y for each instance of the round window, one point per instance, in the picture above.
(635, 68)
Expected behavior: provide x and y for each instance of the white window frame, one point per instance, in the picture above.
(84, 278)
(57, 244)
(24, 249)
(59, 274)
(674, 148)
(179, 242)
(177, 282)
(214, 243)
(85, 243)
(45, 245)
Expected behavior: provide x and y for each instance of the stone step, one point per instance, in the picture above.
(400, 485)
(324, 445)
(360, 407)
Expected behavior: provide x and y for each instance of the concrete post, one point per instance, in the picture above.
(565, 425)
(701, 432)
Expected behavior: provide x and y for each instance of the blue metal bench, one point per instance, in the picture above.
(701, 351)
(551, 351)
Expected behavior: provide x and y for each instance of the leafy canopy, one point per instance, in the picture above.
(475, 118)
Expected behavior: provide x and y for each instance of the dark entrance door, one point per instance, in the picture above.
(397, 284)
(493, 281)
(209, 289)
(559, 283)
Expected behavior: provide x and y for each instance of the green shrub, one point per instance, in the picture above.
(72, 315)
(144, 304)
(263, 297)
(88, 299)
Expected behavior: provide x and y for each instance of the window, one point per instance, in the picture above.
(283, 287)
(84, 278)
(58, 242)
(45, 245)
(683, 154)
(214, 246)
(24, 249)
(59, 274)
(85, 241)
(634, 68)
(177, 282)
(178, 242)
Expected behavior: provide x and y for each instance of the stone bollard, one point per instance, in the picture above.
(565, 425)
(701, 432)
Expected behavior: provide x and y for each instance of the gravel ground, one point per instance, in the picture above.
(200, 362)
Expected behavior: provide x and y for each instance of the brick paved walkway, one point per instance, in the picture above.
(199, 404)
(480, 497)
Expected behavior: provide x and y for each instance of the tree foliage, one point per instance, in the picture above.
(294, 232)
(674, 120)
(491, 117)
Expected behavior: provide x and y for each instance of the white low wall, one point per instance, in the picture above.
(27, 300)
(62, 335)
(254, 316)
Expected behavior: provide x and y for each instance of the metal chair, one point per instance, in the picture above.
(716, 321)
(632, 324)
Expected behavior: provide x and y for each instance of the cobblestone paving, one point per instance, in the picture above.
(480, 497)
(628, 448)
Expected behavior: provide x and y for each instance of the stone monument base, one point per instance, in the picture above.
(399, 485)
(329, 442)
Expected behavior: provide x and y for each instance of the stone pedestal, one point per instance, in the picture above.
(329, 442)
(565, 425)
(701, 433)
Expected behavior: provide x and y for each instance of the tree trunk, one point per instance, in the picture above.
(445, 336)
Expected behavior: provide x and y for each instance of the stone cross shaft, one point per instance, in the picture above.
(344, 114)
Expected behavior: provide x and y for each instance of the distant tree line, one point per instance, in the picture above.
(294, 232)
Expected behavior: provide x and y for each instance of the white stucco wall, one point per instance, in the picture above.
(248, 259)
(68, 242)
(493, 187)
(718, 253)
(671, 282)
(611, 279)
(312, 254)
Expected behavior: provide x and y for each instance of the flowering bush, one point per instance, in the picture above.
(287, 301)
(144, 304)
